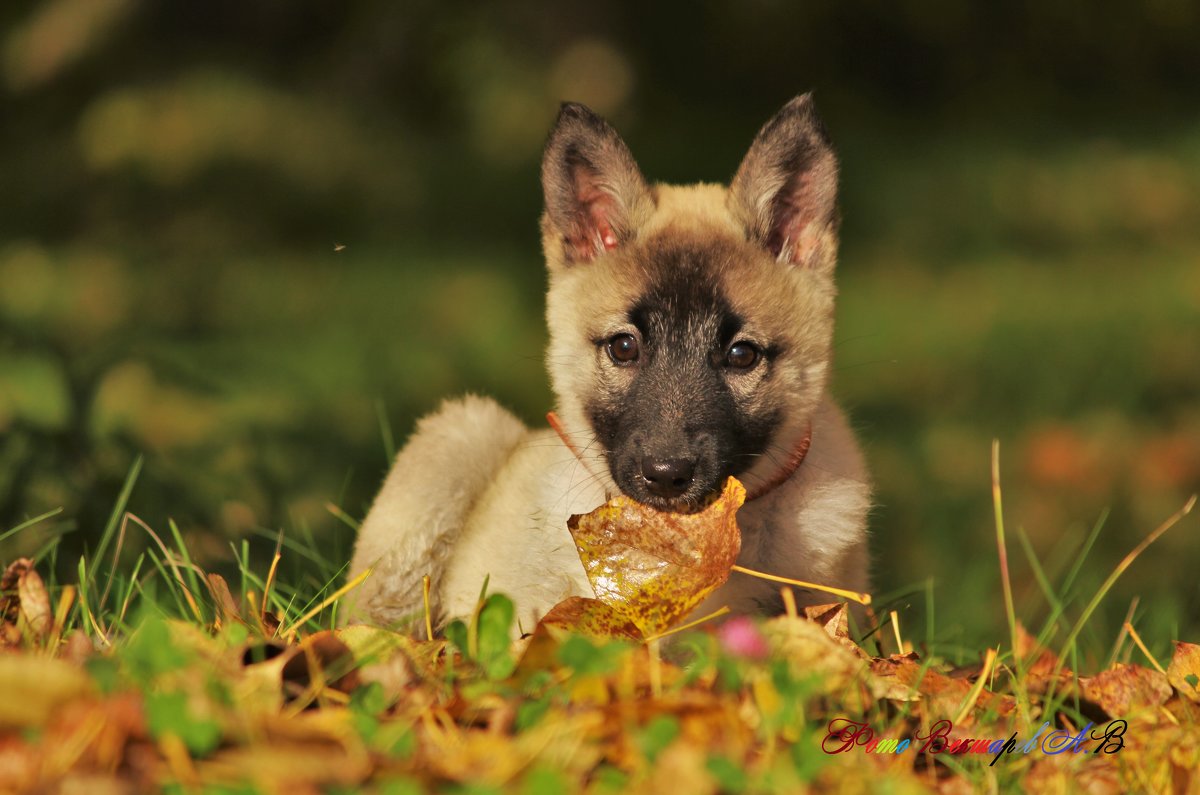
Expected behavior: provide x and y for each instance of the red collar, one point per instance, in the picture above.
(799, 453)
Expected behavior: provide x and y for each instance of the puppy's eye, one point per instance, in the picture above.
(623, 349)
(741, 356)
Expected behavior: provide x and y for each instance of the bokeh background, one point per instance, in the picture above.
(253, 242)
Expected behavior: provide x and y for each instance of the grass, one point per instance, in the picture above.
(1072, 405)
(155, 674)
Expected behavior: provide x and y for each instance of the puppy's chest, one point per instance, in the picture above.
(517, 536)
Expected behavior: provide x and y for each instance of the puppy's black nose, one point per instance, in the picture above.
(668, 477)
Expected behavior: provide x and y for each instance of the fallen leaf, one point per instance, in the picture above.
(230, 612)
(1040, 664)
(907, 678)
(289, 766)
(76, 648)
(24, 601)
(681, 768)
(1052, 774)
(393, 659)
(33, 688)
(810, 650)
(654, 567)
(1124, 689)
(1185, 761)
(1184, 670)
(592, 618)
(321, 657)
(101, 729)
(35, 604)
(10, 602)
(835, 619)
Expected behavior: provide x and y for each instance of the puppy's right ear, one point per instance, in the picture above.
(595, 195)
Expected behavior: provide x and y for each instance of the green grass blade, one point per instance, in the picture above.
(342, 516)
(118, 510)
(292, 545)
(1069, 580)
(385, 430)
(30, 523)
(50, 548)
(1057, 605)
(130, 587)
(243, 562)
(1002, 549)
(87, 618)
(929, 623)
(172, 585)
(198, 591)
(1112, 578)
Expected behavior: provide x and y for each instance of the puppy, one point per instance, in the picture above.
(690, 331)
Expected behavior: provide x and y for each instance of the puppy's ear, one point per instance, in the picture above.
(785, 191)
(595, 194)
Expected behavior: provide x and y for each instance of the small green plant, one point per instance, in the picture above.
(486, 639)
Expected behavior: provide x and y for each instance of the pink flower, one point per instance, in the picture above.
(740, 636)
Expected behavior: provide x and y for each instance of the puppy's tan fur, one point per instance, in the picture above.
(476, 495)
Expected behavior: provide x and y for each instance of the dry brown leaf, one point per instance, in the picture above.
(35, 604)
(835, 619)
(906, 678)
(473, 756)
(1124, 689)
(24, 602)
(1095, 775)
(1040, 664)
(33, 688)
(809, 649)
(1184, 670)
(1028, 647)
(1185, 761)
(76, 648)
(10, 603)
(230, 612)
(590, 617)
(321, 657)
(680, 768)
(273, 672)
(577, 615)
(288, 766)
(100, 731)
(653, 567)
(380, 656)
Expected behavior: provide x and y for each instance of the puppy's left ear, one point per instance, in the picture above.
(785, 191)
(595, 194)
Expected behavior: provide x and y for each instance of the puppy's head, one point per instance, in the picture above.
(690, 327)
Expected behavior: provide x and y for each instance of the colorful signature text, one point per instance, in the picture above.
(845, 735)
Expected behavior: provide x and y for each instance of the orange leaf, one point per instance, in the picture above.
(591, 617)
(653, 567)
(1123, 689)
(1040, 664)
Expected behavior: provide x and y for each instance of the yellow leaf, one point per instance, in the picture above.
(653, 567)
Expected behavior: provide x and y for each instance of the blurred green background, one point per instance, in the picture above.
(251, 240)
